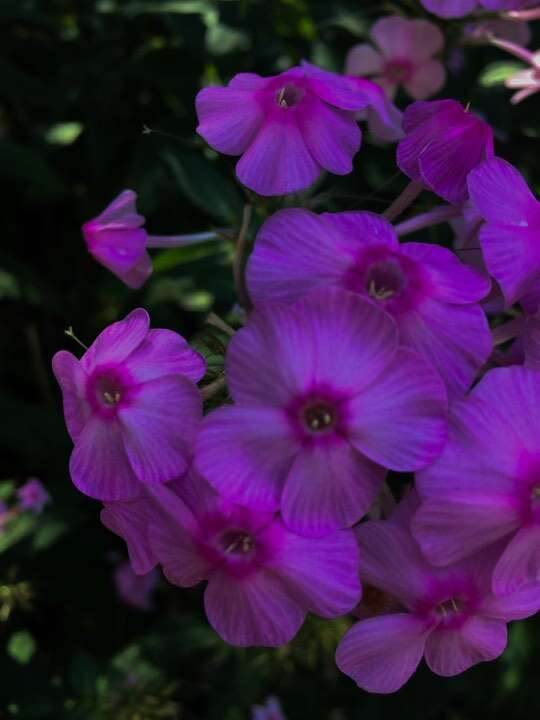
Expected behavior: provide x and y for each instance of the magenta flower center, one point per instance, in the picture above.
(319, 417)
(108, 389)
(289, 95)
(237, 542)
(398, 71)
(384, 280)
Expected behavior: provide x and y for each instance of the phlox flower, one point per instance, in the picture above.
(443, 143)
(116, 239)
(404, 57)
(527, 81)
(262, 579)
(485, 486)
(384, 119)
(325, 400)
(460, 8)
(449, 615)
(135, 590)
(433, 298)
(130, 521)
(271, 710)
(287, 128)
(509, 238)
(33, 496)
(131, 407)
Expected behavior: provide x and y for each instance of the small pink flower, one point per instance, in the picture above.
(287, 128)
(135, 590)
(527, 81)
(131, 407)
(405, 57)
(33, 496)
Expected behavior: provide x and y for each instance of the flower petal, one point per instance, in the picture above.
(99, 466)
(427, 80)
(130, 521)
(245, 453)
(332, 88)
(519, 565)
(72, 380)
(122, 211)
(159, 427)
(363, 60)
(118, 340)
(331, 135)
(164, 352)
(328, 487)
(450, 8)
(138, 274)
(501, 194)
(399, 421)
(229, 118)
(257, 610)
(381, 653)
(451, 651)
(277, 161)
(333, 560)
(413, 40)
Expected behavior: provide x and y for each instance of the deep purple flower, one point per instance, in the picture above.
(325, 400)
(117, 240)
(271, 710)
(135, 590)
(383, 117)
(449, 615)
(405, 57)
(287, 128)
(432, 297)
(131, 407)
(460, 8)
(33, 496)
(443, 143)
(510, 238)
(485, 486)
(262, 579)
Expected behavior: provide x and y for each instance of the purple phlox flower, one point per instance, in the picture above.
(383, 117)
(131, 407)
(443, 143)
(482, 30)
(287, 128)
(449, 615)
(33, 496)
(117, 240)
(271, 710)
(261, 577)
(433, 298)
(510, 236)
(404, 57)
(325, 401)
(460, 8)
(135, 590)
(485, 485)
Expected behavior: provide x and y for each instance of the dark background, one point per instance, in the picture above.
(79, 81)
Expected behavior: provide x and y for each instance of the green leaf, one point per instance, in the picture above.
(7, 488)
(21, 646)
(48, 533)
(16, 530)
(496, 73)
(63, 133)
(202, 183)
(174, 257)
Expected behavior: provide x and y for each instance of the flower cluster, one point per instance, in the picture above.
(359, 354)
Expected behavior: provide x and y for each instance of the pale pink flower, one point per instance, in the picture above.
(404, 57)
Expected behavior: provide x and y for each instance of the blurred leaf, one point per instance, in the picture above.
(496, 73)
(63, 133)
(9, 287)
(174, 257)
(22, 164)
(48, 533)
(221, 40)
(17, 529)
(7, 488)
(200, 181)
(21, 647)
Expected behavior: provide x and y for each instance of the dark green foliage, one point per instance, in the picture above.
(97, 96)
